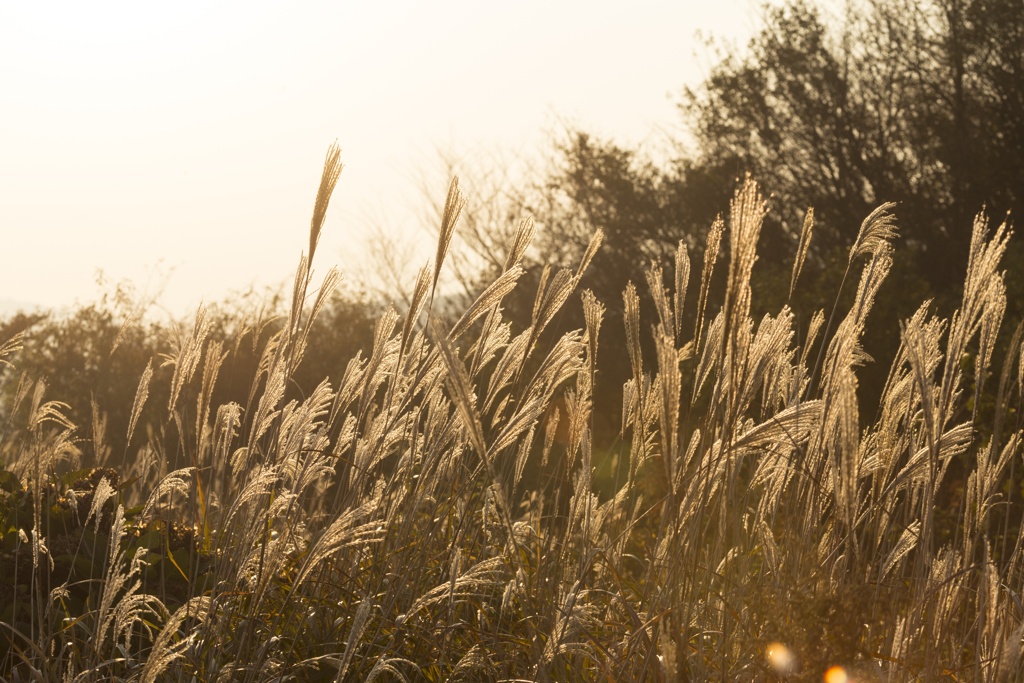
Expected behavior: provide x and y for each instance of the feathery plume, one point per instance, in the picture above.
(11, 346)
(682, 282)
(164, 653)
(588, 255)
(487, 300)
(878, 229)
(801, 250)
(462, 392)
(419, 295)
(593, 314)
(522, 240)
(714, 241)
(656, 285)
(328, 180)
(453, 206)
(186, 360)
(141, 394)
(631, 318)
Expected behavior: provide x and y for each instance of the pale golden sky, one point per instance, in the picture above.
(187, 138)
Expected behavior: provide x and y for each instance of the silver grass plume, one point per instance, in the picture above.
(470, 664)
(186, 359)
(486, 574)
(165, 652)
(141, 394)
(983, 290)
(670, 383)
(494, 338)
(656, 285)
(175, 482)
(631, 319)
(355, 634)
(593, 314)
(746, 216)
(878, 229)
(801, 250)
(214, 357)
(462, 393)
(488, 299)
(554, 296)
(508, 365)
(10, 347)
(419, 295)
(523, 238)
(328, 180)
(714, 241)
(906, 542)
(323, 295)
(588, 255)
(102, 493)
(682, 272)
(129, 320)
(453, 206)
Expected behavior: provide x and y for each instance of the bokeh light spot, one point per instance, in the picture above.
(836, 674)
(780, 658)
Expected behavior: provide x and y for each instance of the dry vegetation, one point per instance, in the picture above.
(433, 517)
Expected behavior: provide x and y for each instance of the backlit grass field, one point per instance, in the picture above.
(434, 516)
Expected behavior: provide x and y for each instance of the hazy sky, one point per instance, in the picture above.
(181, 143)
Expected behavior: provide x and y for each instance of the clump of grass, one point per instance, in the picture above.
(434, 516)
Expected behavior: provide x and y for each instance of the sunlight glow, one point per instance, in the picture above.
(183, 139)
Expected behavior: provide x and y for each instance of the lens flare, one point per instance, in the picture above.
(780, 658)
(836, 674)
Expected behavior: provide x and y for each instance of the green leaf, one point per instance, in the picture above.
(9, 482)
